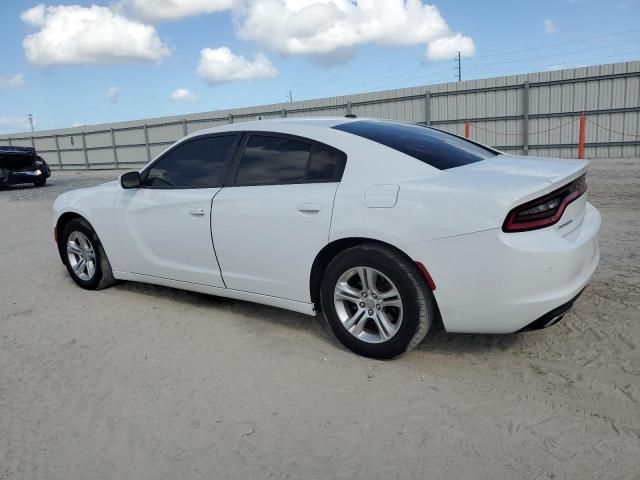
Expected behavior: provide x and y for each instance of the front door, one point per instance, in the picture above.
(164, 227)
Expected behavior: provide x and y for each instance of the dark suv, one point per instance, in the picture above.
(22, 165)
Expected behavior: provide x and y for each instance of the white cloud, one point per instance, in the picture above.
(155, 10)
(318, 27)
(71, 34)
(182, 95)
(113, 94)
(12, 80)
(446, 48)
(10, 123)
(326, 30)
(550, 27)
(218, 65)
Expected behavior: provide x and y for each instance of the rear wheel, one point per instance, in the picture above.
(376, 302)
(84, 257)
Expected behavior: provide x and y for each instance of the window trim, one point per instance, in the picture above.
(227, 161)
(232, 175)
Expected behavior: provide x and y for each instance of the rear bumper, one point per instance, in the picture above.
(496, 282)
(552, 317)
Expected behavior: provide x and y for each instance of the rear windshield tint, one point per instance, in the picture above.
(434, 147)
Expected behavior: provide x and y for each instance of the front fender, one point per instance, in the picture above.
(95, 205)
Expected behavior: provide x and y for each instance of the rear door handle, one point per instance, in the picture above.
(309, 207)
(196, 212)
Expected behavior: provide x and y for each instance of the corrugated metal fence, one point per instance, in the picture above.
(535, 114)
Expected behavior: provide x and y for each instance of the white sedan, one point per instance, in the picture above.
(385, 227)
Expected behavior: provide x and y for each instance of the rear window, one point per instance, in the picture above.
(434, 147)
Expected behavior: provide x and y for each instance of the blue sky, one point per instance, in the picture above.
(313, 56)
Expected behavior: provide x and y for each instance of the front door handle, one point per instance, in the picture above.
(196, 212)
(309, 207)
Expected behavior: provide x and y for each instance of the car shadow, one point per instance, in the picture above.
(21, 186)
(443, 342)
(437, 341)
(250, 310)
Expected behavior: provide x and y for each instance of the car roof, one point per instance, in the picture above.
(14, 150)
(279, 124)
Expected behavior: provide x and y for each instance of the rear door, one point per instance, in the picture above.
(273, 216)
(164, 227)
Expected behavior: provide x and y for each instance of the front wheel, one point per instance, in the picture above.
(376, 302)
(84, 257)
(41, 182)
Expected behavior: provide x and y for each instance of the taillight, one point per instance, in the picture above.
(544, 211)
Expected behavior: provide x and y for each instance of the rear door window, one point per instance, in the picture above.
(274, 160)
(439, 149)
(326, 164)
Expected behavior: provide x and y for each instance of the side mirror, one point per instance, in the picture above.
(130, 180)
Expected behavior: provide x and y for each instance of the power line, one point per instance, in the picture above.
(503, 72)
(577, 63)
(419, 73)
(589, 59)
(557, 44)
(526, 59)
(431, 72)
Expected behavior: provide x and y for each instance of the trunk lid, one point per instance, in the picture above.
(554, 170)
(516, 180)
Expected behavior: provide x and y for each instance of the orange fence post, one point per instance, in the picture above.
(583, 122)
(466, 129)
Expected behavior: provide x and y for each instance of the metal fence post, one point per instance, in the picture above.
(55, 137)
(427, 108)
(525, 124)
(113, 146)
(9, 141)
(349, 107)
(33, 142)
(583, 124)
(146, 142)
(284, 113)
(230, 118)
(84, 149)
(184, 127)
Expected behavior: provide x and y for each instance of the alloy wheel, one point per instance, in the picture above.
(368, 304)
(81, 256)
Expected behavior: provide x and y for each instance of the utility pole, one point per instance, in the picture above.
(459, 68)
(290, 97)
(30, 117)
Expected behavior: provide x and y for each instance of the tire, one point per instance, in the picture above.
(406, 322)
(100, 276)
(41, 182)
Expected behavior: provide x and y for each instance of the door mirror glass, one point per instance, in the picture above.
(130, 180)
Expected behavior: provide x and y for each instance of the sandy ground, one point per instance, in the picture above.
(144, 382)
